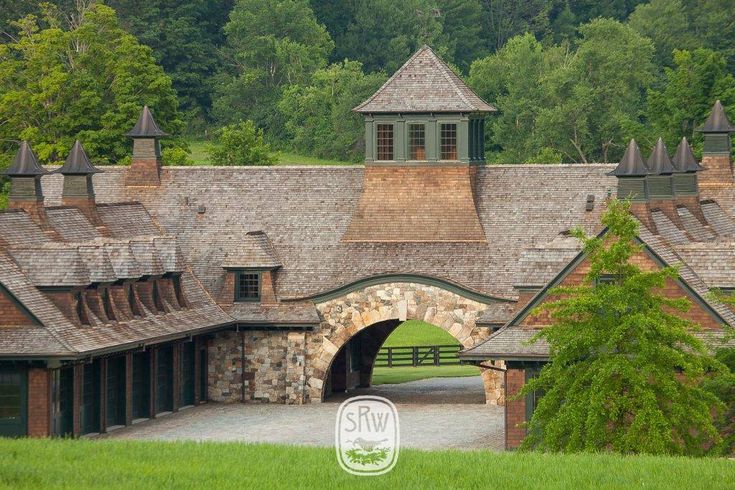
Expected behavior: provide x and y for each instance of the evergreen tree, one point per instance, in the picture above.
(625, 369)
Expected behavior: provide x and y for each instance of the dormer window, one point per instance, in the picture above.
(417, 141)
(247, 286)
(385, 142)
(449, 141)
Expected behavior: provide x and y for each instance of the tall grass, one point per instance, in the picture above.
(136, 464)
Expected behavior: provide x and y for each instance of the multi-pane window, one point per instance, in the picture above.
(416, 142)
(247, 287)
(448, 141)
(10, 394)
(385, 142)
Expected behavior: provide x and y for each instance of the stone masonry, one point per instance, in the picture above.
(291, 367)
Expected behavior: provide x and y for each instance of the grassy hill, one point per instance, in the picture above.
(136, 464)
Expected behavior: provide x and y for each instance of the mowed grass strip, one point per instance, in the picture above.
(384, 375)
(136, 464)
(416, 332)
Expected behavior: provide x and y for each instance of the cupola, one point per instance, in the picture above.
(145, 167)
(686, 168)
(78, 188)
(717, 154)
(424, 136)
(25, 182)
(631, 173)
(660, 172)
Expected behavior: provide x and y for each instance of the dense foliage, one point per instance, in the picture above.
(573, 80)
(84, 79)
(625, 371)
(240, 144)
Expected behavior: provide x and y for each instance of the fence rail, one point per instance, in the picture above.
(418, 355)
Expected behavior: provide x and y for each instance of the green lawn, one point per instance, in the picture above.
(395, 375)
(200, 156)
(416, 332)
(136, 464)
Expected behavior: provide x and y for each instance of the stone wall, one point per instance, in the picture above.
(281, 366)
(345, 316)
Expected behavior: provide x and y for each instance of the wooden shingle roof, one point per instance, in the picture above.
(424, 84)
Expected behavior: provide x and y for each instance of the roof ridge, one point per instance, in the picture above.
(449, 76)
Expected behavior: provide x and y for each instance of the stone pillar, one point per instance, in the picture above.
(515, 409)
(492, 380)
(296, 368)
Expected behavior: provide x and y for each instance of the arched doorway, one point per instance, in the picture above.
(368, 313)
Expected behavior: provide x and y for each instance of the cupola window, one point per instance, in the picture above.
(417, 141)
(449, 141)
(385, 142)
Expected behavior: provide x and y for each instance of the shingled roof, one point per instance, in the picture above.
(659, 162)
(717, 122)
(146, 126)
(25, 163)
(684, 159)
(254, 251)
(424, 84)
(631, 165)
(77, 163)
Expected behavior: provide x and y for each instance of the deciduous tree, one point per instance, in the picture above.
(625, 368)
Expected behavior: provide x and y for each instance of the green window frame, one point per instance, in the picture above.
(247, 286)
(449, 141)
(385, 139)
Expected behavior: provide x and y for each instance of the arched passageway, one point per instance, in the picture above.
(356, 323)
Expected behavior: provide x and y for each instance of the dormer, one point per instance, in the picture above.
(424, 114)
(251, 271)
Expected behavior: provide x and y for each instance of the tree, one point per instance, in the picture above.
(384, 33)
(625, 370)
(185, 38)
(511, 79)
(698, 78)
(241, 144)
(666, 23)
(319, 117)
(270, 45)
(596, 94)
(87, 81)
(713, 22)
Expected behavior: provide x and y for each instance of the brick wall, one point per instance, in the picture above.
(11, 314)
(515, 409)
(719, 171)
(39, 402)
(671, 289)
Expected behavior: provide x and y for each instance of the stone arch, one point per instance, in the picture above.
(346, 313)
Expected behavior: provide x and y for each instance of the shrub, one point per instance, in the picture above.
(241, 144)
(175, 156)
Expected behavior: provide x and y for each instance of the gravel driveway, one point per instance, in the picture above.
(434, 414)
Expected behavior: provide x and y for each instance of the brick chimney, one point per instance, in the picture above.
(145, 169)
(25, 184)
(78, 190)
(685, 180)
(717, 157)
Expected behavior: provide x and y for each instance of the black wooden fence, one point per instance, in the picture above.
(418, 355)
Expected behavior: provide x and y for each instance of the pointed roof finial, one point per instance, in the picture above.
(77, 163)
(25, 163)
(717, 121)
(659, 162)
(684, 159)
(146, 126)
(631, 164)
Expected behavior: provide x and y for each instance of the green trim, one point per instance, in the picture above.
(407, 278)
(245, 299)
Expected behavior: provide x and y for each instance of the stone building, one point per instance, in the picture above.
(134, 291)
